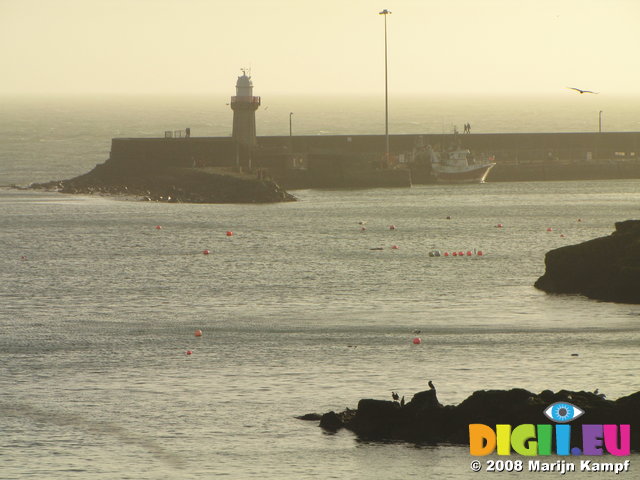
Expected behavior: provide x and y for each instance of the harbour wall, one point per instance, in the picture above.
(344, 160)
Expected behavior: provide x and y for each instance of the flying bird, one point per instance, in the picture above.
(582, 91)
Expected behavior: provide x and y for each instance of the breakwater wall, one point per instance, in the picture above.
(339, 160)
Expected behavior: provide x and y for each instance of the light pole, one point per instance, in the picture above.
(290, 129)
(600, 122)
(386, 12)
(291, 138)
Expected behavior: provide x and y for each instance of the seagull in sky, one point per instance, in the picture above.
(582, 91)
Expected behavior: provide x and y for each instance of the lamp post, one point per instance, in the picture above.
(291, 138)
(600, 122)
(290, 129)
(386, 12)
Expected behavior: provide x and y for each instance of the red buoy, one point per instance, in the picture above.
(198, 333)
(455, 254)
(394, 247)
(188, 352)
(469, 253)
(479, 253)
(549, 229)
(205, 252)
(461, 254)
(499, 225)
(392, 227)
(417, 341)
(446, 254)
(158, 227)
(229, 234)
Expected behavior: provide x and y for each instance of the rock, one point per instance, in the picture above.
(424, 419)
(310, 416)
(170, 184)
(606, 268)
(331, 421)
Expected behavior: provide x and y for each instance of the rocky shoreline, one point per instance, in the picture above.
(606, 268)
(425, 420)
(171, 184)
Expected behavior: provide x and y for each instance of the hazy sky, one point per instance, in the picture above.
(319, 47)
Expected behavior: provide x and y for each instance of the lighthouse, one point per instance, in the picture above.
(244, 106)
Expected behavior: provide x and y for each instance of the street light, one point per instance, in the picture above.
(386, 12)
(290, 129)
(600, 122)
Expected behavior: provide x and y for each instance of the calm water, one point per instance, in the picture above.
(95, 322)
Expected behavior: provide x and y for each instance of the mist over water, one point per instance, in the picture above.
(94, 380)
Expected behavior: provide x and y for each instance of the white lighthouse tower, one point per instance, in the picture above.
(244, 106)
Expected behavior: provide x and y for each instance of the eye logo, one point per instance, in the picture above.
(563, 412)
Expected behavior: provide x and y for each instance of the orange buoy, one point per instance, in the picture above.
(198, 333)
(205, 252)
(158, 227)
(417, 341)
(229, 233)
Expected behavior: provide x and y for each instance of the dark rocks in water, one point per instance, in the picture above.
(424, 419)
(333, 421)
(606, 268)
(174, 185)
(310, 416)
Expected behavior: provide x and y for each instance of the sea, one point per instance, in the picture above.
(300, 310)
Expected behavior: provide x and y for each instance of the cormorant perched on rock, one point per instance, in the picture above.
(431, 386)
(395, 396)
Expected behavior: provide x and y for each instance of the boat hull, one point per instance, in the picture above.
(470, 174)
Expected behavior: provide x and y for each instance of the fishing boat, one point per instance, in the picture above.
(459, 166)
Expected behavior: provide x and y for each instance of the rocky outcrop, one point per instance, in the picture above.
(186, 185)
(606, 268)
(424, 419)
